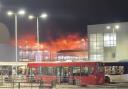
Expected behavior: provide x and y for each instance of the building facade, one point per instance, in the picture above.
(108, 42)
(72, 55)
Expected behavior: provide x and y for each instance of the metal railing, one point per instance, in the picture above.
(25, 84)
(59, 83)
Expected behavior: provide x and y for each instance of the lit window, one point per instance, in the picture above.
(109, 39)
(96, 57)
(96, 46)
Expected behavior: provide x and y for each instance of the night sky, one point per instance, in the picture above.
(64, 16)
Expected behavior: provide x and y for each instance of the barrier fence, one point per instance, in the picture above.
(10, 83)
(25, 84)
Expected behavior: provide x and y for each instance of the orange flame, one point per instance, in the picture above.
(69, 42)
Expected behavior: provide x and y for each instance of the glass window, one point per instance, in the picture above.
(96, 57)
(40, 70)
(93, 45)
(114, 70)
(49, 70)
(84, 70)
(110, 39)
(96, 46)
(92, 51)
(92, 37)
(100, 69)
(32, 71)
(100, 44)
(58, 71)
(76, 71)
(93, 57)
(99, 35)
(100, 39)
(91, 70)
(70, 71)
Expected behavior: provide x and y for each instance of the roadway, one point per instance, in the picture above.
(106, 86)
(65, 86)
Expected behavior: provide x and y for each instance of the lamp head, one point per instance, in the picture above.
(44, 15)
(30, 17)
(10, 13)
(21, 12)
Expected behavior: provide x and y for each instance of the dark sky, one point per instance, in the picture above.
(65, 16)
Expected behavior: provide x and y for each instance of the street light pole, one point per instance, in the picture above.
(16, 49)
(114, 37)
(38, 40)
(115, 28)
(114, 44)
(11, 13)
(44, 16)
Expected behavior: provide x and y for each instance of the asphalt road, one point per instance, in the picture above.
(106, 86)
(65, 86)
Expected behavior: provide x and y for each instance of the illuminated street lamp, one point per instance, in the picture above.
(15, 14)
(114, 29)
(43, 16)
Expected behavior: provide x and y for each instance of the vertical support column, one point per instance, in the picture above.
(16, 45)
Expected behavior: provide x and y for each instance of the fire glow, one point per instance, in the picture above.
(69, 42)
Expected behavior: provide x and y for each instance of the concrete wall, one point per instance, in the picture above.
(122, 42)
